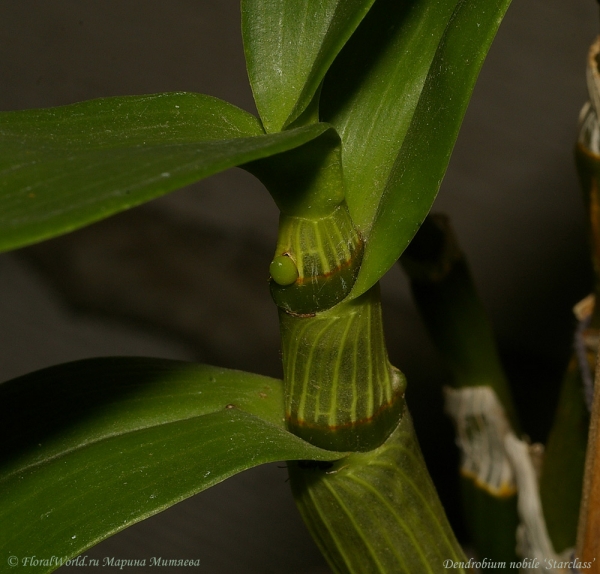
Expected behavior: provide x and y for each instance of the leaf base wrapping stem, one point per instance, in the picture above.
(378, 512)
(327, 253)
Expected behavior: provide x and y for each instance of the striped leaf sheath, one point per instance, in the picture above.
(378, 512)
(327, 252)
(341, 391)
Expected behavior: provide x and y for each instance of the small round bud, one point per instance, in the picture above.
(283, 270)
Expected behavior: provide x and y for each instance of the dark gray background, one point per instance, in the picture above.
(185, 276)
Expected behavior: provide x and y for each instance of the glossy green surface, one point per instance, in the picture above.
(63, 168)
(378, 512)
(341, 392)
(315, 227)
(289, 46)
(397, 95)
(283, 270)
(91, 447)
(327, 252)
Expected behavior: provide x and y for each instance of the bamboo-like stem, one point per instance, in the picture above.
(317, 237)
(457, 322)
(447, 300)
(562, 470)
(341, 391)
(588, 535)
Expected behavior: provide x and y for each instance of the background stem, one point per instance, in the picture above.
(447, 300)
(588, 537)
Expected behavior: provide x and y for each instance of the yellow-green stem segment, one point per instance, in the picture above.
(341, 392)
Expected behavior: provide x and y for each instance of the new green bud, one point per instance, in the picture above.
(316, 262)
(283, 270)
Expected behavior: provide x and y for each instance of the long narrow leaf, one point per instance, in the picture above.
(89, 448)
(397, 95)
(372, 90)
(289, 46)
(62, 168)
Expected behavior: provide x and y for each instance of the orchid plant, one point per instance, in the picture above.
(360, 103)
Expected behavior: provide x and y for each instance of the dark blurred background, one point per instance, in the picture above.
(186, 276)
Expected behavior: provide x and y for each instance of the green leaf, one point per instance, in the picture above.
(397, 95)
(289, 46)
(63, 168)
(91, 447)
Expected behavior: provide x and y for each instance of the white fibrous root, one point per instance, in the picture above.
(481, 426)
(502, 465)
